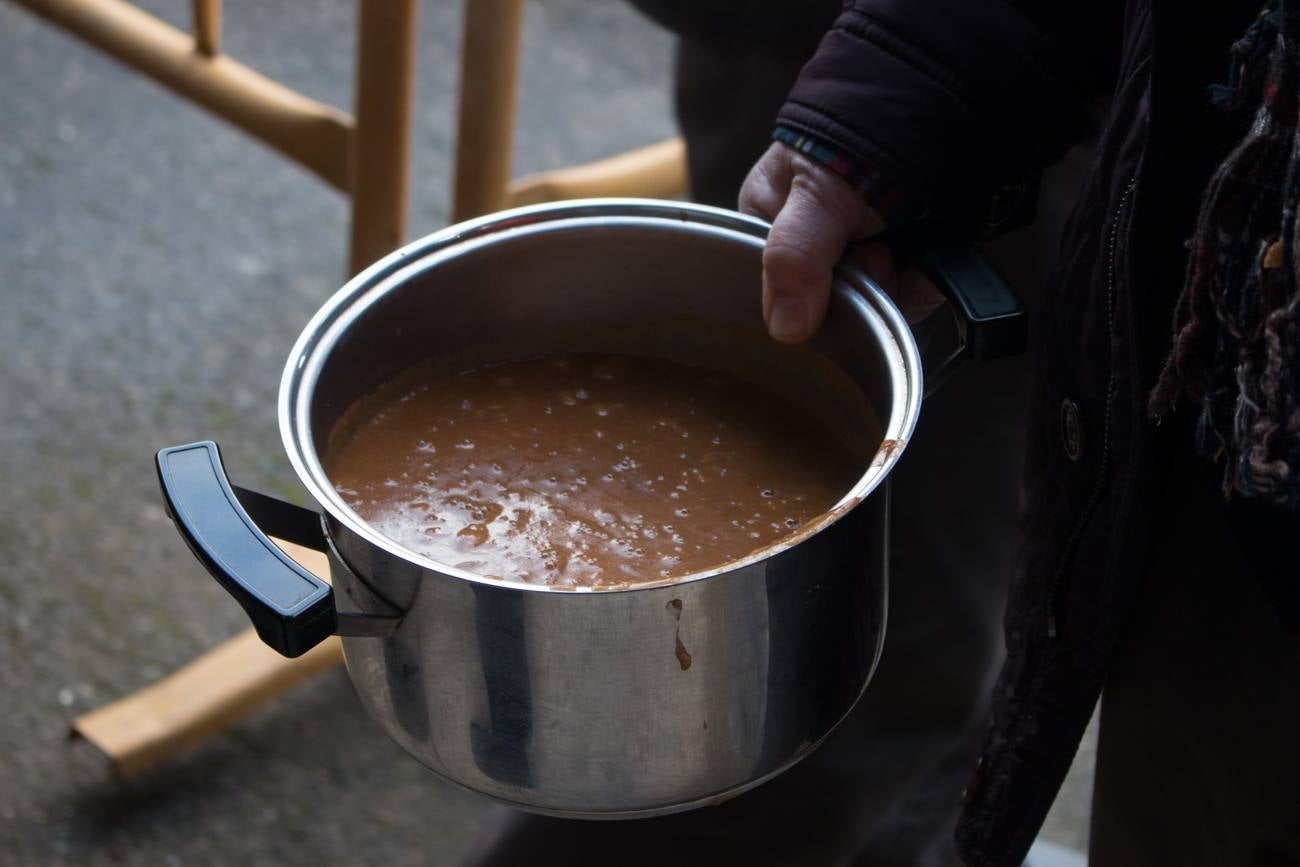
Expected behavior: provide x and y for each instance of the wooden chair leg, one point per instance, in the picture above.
(489, 73)
(381, 142)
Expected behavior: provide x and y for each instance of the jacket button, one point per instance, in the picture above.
(1071, 429)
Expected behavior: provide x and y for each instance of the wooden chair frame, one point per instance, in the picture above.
(367, 157)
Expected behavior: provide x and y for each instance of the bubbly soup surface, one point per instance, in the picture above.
(585, 470)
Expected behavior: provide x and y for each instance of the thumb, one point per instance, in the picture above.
(819, 217)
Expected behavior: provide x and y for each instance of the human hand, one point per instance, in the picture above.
(817, 221)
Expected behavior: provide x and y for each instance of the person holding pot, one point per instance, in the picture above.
(1162, 475)
(884, 788)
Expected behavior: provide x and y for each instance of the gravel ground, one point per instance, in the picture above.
(156, 267)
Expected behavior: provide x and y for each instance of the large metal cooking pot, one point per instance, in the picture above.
(607, 703)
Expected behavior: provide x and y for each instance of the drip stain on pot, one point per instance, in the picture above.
(674, 607)
(683, 658)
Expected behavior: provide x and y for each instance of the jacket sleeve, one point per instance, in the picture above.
(956, 104)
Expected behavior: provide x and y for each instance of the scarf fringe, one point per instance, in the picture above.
(1234, 351)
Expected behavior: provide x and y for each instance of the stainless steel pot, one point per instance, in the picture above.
(609, 703)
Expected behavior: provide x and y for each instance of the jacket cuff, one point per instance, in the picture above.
(885, 196)
(962, 102)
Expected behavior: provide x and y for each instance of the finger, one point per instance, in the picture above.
(876, 260)
(808, 236)
(768, 183)
(914, 294)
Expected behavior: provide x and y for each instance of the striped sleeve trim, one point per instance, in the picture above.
(884, 196)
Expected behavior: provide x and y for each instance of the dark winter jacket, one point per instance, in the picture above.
(960, 103)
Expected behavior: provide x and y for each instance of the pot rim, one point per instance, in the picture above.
(854, 292)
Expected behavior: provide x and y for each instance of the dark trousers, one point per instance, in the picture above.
(1198, 761)
(884, 789)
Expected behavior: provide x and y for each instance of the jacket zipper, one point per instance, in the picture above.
(1103, 470)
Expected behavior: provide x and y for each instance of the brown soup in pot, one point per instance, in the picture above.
(585, 470)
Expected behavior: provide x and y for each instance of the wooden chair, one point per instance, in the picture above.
(367, 157)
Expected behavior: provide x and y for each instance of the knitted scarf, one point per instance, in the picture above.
(1234, 352)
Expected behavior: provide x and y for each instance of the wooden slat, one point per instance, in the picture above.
(382, 154)
(656, 171)
(206, 696)
(207, 26)
(315, 135)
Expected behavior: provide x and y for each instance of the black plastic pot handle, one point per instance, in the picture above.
(291, 609)
(992, 320)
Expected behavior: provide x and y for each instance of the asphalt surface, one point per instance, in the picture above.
(155, 267)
